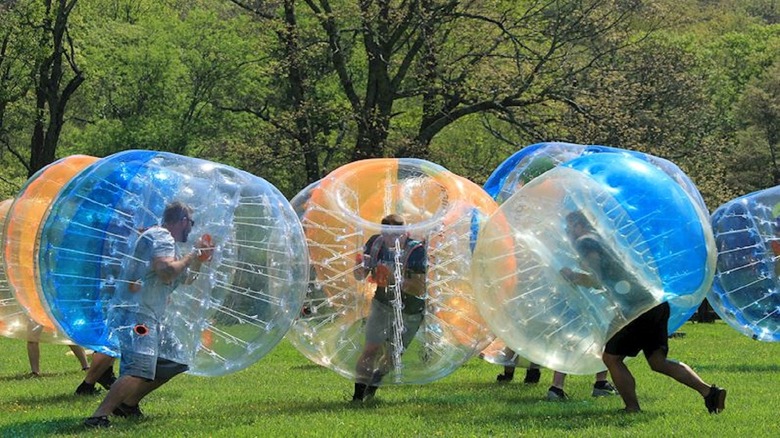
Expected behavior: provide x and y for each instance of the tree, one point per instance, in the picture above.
(56, 77)
(16, 55)
(433, 62)
(759, 114)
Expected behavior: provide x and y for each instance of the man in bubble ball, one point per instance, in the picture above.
(155, 269)
(648, 332)
(397, 264)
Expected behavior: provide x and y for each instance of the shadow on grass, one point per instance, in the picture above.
(486, 409)
(739, 368)
(70, 398)
(57, 398)
(29, 376)
(69, 425)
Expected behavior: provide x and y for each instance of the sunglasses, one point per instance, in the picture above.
(192, 222)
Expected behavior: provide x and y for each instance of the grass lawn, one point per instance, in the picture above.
(286, 395)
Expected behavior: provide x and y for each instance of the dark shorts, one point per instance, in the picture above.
(647, 333)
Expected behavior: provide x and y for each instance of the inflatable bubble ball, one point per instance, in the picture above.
(534, 160)
(391, 299)
(583, 249)
(95, 262)
(745, 291)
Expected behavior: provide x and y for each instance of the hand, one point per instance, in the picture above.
(382, 276)
(205, 248)
(361, 266)
(567, 273)
(135, 286)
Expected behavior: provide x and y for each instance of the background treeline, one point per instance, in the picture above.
(289, 90)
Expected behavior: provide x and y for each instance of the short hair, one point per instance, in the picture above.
(578, 218)
(393, 219)
(176, 211)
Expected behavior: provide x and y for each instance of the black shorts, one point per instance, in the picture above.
(647, 333)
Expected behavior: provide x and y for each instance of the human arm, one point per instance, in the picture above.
(361, 271)
(363, 263)
(169, 268)
(580, 278)
(589, 274)
(414, 284)
(416, 269)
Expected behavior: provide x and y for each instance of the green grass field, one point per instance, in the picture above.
(286, 395)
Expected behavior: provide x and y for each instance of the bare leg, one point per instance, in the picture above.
(34, 355)
(623, 380)
(678, 371)
(559, 379)
(81, 355)
(601, 376)
(120, 391)
(100, 364)
(143, 390)
(367, 363)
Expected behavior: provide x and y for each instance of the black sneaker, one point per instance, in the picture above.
(532, 376)
(107, 379)
(87, 389)
(715, 401)
(603, 389)
(363, 392)
(127, 411)
(556, 394)
(504, 378)
(360, 392)
(97, 422)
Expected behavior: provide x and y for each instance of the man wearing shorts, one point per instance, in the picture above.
(386, 327)
(153, 271)
(648, 333)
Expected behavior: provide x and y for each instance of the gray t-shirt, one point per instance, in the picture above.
(141, 290)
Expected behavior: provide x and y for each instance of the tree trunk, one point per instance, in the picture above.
(49, 97)
(297, 81)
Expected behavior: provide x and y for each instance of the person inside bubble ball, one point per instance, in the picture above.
(648, 332)
(154, 270)
(600, 267)
(397, 264)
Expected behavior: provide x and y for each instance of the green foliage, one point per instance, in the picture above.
(758, 142)
(285, 395)
(253, 88)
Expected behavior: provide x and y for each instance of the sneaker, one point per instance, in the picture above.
(127, 411)
(532, 376)
(107, 379)
(87, 389)
(360, 392)
(504, 378)
(363, 392)
(97, 422)
(715, 401)
(556, 394)
(603, 389)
